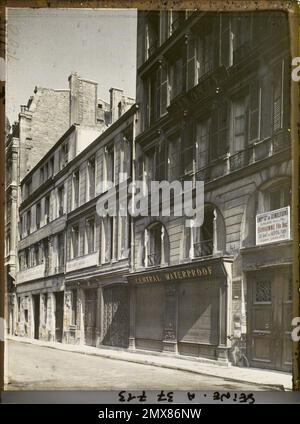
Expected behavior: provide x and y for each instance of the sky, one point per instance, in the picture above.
(45, 45)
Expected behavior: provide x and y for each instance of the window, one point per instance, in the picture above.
(152, 33)
(51, 166)
(75, 241)
(28, 222)
(174, 159)
(176, 77)
(47, 209)
(191, 74)
(219, 144)
(37, 254)
(151, 99)
(41, 175)
(239, 123)
(277, 98)
(204, 235)
(74, 306)
(241, 26)
(279, 197)
(91, 177)
(61, 249)
(177, 18)
(165, 16)
(156, 241)
(226, 40)
(28, 188)
(110, 164)
(27, 258)
(46, 254)
(202, 143)
(149, 172)
(46, 170)
(61, 195)
(254, 111)
(38, 215)
(90, 235)
(65, 149)
(76, 189)
(108, 240)
(205, 53)
(163, 90)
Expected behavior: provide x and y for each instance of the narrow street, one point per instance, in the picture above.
(32, 367)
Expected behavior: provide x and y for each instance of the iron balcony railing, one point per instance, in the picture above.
(232, 162)
(203, 248)
(154, 259)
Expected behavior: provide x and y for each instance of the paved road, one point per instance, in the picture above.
(33, 367)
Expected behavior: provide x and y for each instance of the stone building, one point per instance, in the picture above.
(56, 138)
(213, 104)
(214, 96)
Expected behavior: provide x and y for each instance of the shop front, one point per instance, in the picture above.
(97, 312)
(183, 310)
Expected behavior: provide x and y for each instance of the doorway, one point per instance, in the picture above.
(90, 317)
(270, 316)
(59, 316)
(116, 316)
(36, 315)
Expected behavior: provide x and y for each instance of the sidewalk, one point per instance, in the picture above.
(270, 378)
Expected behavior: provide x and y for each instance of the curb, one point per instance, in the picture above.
(278, 387)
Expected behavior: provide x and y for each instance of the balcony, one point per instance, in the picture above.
(85, 261)
(203, 248)
(252, 154)
(154, 259)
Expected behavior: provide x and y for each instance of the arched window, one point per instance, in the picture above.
(156, 245)
(209, 238)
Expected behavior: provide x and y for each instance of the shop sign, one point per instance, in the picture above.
(273, 226)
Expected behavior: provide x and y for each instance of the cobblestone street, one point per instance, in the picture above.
(33, 367)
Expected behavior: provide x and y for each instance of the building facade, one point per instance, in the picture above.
(212, 105)
(214, 94)
(58, 184)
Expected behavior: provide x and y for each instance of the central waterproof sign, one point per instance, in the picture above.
(202, 271)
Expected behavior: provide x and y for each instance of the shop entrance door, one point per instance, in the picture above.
(59, 315)
(116, 316)
(36, 315)
(90, 317)
(270, 316)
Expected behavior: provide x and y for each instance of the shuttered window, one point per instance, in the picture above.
(174, 158)
(220, 118)
(277, 97)
(202, 143)
(239, 114)
(188, 142)
(226, 40)
(191, 64)
(254, 111)
(176, 77)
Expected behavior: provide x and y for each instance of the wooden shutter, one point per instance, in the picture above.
(164, 88)
(191, 64)
(277, 98)
(214, 133)
(161, 160)
(254, 111)
(266, 107)
(286, 93)
(225, 40)
(188, 146)
(223, 118)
